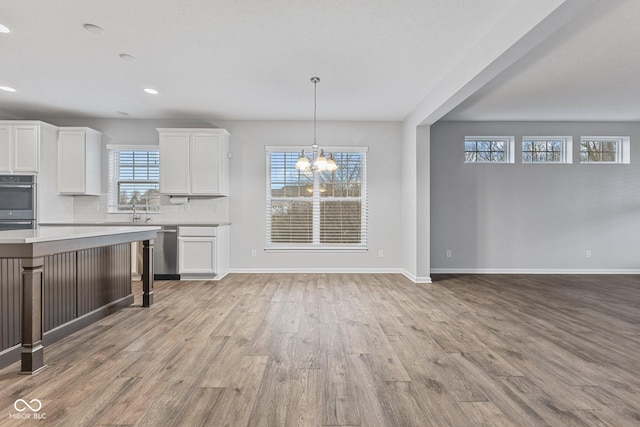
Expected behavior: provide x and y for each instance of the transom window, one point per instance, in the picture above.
(546, 149)
(134, 178)
(488, 149)
(316, 210)
(604, 149)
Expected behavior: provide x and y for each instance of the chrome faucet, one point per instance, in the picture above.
(136, 217)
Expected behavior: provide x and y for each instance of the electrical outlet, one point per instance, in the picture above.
(449, 253)
(380, 253)
(588, 253)
(254, 253)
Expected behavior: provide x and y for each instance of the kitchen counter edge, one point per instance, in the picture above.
(52, 234)
(134, 224)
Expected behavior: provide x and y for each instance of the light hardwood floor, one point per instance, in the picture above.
(351, 350)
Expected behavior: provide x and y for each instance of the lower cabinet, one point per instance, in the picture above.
(197, 250)
(202, 252)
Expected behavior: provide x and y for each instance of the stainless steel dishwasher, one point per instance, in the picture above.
(165, 254)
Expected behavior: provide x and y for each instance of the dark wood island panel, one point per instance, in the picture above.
(56, 294)
(10, 304)
(75, 284)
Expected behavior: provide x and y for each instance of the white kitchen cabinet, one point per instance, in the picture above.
(174, 163)
(197, 250)
(79, 161)
(203, 252)
(20, 147)
(194, 162)
(23, 143)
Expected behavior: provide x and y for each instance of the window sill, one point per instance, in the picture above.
(325, 249)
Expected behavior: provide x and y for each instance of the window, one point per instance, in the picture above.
(316, 210)
(604, 149)
(488, 149)
(546, 149)
(134, 178)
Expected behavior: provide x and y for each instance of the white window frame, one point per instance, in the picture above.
(566, 152)
(623, 147)
(113, 205)
(316, 245)
(509, 145)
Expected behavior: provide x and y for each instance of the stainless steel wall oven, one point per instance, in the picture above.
(17, 202)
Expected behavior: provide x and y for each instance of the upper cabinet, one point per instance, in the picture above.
(79, 161)
(20, 147)
(194, 162)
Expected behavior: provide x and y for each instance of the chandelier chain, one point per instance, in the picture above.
(315, 81)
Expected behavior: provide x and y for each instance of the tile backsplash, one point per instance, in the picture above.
(95, 209)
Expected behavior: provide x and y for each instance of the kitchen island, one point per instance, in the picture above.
(57, 280)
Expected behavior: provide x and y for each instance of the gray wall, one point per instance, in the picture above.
(537, 218)
(247, 204)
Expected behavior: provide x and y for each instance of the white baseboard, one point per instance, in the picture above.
(424, 280)
(317, 270)
(414, 278)
(221, 276)
(533, 271)
(333, 270)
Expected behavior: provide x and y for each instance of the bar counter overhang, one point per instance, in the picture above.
(57, 280)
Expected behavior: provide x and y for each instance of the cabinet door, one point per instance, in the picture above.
(27, 148)
(174, 163)
(205, 164)
(197, 255)
(5, 149)
(71, 163)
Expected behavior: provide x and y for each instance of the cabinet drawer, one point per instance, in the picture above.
(197, 231)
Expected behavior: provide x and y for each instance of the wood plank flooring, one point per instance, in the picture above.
(350, 350)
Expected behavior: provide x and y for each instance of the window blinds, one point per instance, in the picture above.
(322, 210)
(134, 177)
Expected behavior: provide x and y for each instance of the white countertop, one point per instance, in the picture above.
(125, 224)
(50, 234)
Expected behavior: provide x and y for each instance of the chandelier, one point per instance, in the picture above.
(318, 161)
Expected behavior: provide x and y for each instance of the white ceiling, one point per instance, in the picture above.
(252, 59)
(587, 71)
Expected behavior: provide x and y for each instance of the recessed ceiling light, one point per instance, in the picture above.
(151, 91)
(7, 89)
(4, 29)
(127, 57)
(93, 29)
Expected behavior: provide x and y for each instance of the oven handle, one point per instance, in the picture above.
(16, 222)
(16, 185)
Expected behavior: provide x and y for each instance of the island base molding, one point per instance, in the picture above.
(32, 360)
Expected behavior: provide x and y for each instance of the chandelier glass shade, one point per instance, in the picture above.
(318, 161)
